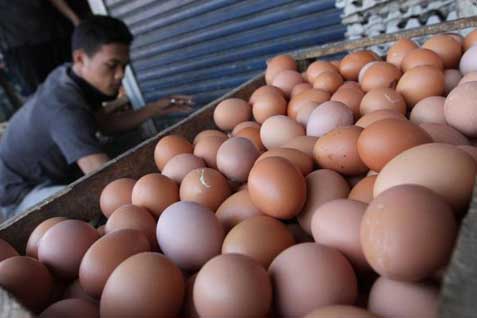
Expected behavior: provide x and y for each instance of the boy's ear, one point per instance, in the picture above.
(79, 57)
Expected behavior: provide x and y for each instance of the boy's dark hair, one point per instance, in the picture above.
(98, 30)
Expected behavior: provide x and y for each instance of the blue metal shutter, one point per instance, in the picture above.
(205, 48)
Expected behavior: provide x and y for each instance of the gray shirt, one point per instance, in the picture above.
(54, 129)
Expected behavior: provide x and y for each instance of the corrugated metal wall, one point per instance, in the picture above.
(205, 48)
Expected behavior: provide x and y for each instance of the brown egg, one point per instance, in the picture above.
(278, 130)
(237, 208)
(188, 309)
(253, 135)
(328, 116)
(273, 235)
(408, 232)
(421, 57)
(471, 150)
(231, 112)
(101, 230)
(382, 98)
(340, 311)
(180, 165)
(304, 113)
(299, 234)
(352, 63)
(470, 40)
(444, 134)
(37, 234)
(300, 88)
(380, 142)
(363, 190)
(168, 147)
(469, 77)
(27, 280)
(387, 297)
(445, 169)
(328, 81)
(205, 186)
(302, 161)
(337, 224)
(206, 149)
(363, 71)
(354, 180)
(286, 80)
(456, 36)
(351, 84)
(6, 250)
(236, 157)
(264, 90)
(277, 64)
(189, 235)
(116, 194)
(208, 133)
(134, 218)
(303, 143)
(448, 49)
(419, 83)
(296, 271)
(147, 285)
(398, 51)
(380, 75)
(349, 96)
(338, 151)
(69, 308)
(429, 110)
(468, 61)
(459, 109)
(63, 246)
(245, 293)
(266, 106)
(322, 185)
(74, 290)
(243, 125)
(451, 80)
(318, 67)
(378, 115)
(311, 95)
(155, 192)
(277, 188)
(104, 256)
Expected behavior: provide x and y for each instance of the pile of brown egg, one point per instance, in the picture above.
(336, 192)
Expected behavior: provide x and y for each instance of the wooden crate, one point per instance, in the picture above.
(80, 200)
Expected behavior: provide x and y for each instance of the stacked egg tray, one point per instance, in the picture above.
(81, 199)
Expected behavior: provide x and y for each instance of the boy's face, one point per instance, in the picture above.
(105, 69)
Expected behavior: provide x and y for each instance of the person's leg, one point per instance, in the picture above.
(37, 195)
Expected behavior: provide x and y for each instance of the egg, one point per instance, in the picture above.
(274, 237)
(328, 116)
(363, 71)
(188, 309)
(208, 133)
(448, 49)
(459, 109)
(277, 64)
(456, 36)
(253, 135)
(421, 57)
(378, 115)
(231, 112)
(300, 88)
(398, 51)
(429, 110)
(74, 290)
(264, 90)
(235, 209)
(189, 234)
(337, 151)
(236, 157)
(178, 166)
(106, 254)
(337, 224)
(101, 230)
(146, 284)
(168, 147)
(286, 80)
(469, 77)
(71, 308)
(28, 280)
(37, 234)
(266, 106)
(470, 40)
(421, 82)
(352, 63)
(382, 98)
(303, 143)
(243, 125)
(468, 61)
(471, 150)
(351, 84)
(304, 113)
(318, 67)
(115, 194)
(207, 147)
(328, 81)
(340, 311)
(380, 75)
(134, 218)
(296, 271)
(349, 96)
(380, 142)
(299, 159)
(155, 192)
(277, 187)
(451, 80)
(312, 95)
(322, 185)
(278, 130)
(6, 250)
(387, 297)
(444, 134)
(205, 186)
(63, 246)
(363, 190)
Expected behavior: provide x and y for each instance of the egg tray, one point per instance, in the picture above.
(80, 200)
